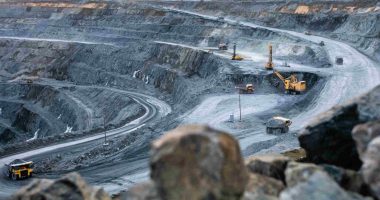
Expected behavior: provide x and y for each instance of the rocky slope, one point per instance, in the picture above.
(355, 22)
(196, 162)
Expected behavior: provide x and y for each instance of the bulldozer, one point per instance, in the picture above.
(235, 56)
(19, 169)
(270, 65)
(291, 84)
(245, 89)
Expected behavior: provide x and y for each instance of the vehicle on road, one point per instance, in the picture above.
(322, 43)
(220, 18)
(307, 33)
(246, 89)
(223, 46)
(291, 84)
(339, 60)
(19, 169)
(278, 125)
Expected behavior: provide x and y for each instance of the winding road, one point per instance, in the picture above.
(343, 83)
(154, 109)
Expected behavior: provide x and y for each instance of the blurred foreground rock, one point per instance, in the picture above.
(71, 186)
(328, 138)
(197, 162)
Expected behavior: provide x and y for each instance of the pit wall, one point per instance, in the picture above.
(355, 22)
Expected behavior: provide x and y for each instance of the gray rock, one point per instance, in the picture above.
(197, 162)
(371, 167)
(328, 138)
(263, 185)
(143, 191)
(71, 186)
(318, 186)
(347, 179)
(299, 172)
(363, 134)
(269, 165)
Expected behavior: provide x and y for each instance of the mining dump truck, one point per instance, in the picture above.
(245, 89)
(307, 33)
(339, 60)
(223, 46)
(291, 84)
(278, 125)
(19, 169)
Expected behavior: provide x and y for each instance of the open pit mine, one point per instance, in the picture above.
(193, 100)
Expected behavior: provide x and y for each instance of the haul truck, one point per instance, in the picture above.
(19, 169)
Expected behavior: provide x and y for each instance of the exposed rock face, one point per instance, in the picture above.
(143, 191)
(297, 172)
(268, 165)
(195, 162)
(318, 186)
(71, 186)
(363, 134)
(328, 139)
(371, 167)
(259, 185)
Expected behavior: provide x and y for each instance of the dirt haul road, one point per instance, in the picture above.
(154, 109)
(358, 74)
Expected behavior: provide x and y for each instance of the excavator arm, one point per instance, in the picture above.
(279, 76)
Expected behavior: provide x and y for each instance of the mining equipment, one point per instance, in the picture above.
(291, 84)
(322, 43)
(339, 60)
(220, 18)
(223, 46)
(235, 56)
(270, 65)
(277, 125)
(19, 169)
(307, 33)
(245, 89)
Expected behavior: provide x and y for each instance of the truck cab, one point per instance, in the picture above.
(19, 169)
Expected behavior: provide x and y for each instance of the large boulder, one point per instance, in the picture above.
(299, 172)
(269, 165)
(197, 162)
(142, 191)
(262, 186)
(363, 134)
(317, 186)
(71, 186)
(328, 138)
(371, 167)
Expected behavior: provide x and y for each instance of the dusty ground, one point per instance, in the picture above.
(140, 70)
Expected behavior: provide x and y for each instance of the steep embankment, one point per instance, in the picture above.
(355, 22)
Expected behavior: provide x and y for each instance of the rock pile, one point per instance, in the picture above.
(197, 162)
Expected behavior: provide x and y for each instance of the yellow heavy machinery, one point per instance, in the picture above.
(270, 65)
(19, 169)
(291, 84)
(235, 56)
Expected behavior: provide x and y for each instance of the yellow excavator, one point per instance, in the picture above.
(235, 56)
(291, 84)
(270, 65)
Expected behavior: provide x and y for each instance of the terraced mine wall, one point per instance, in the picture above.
(355, 22)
